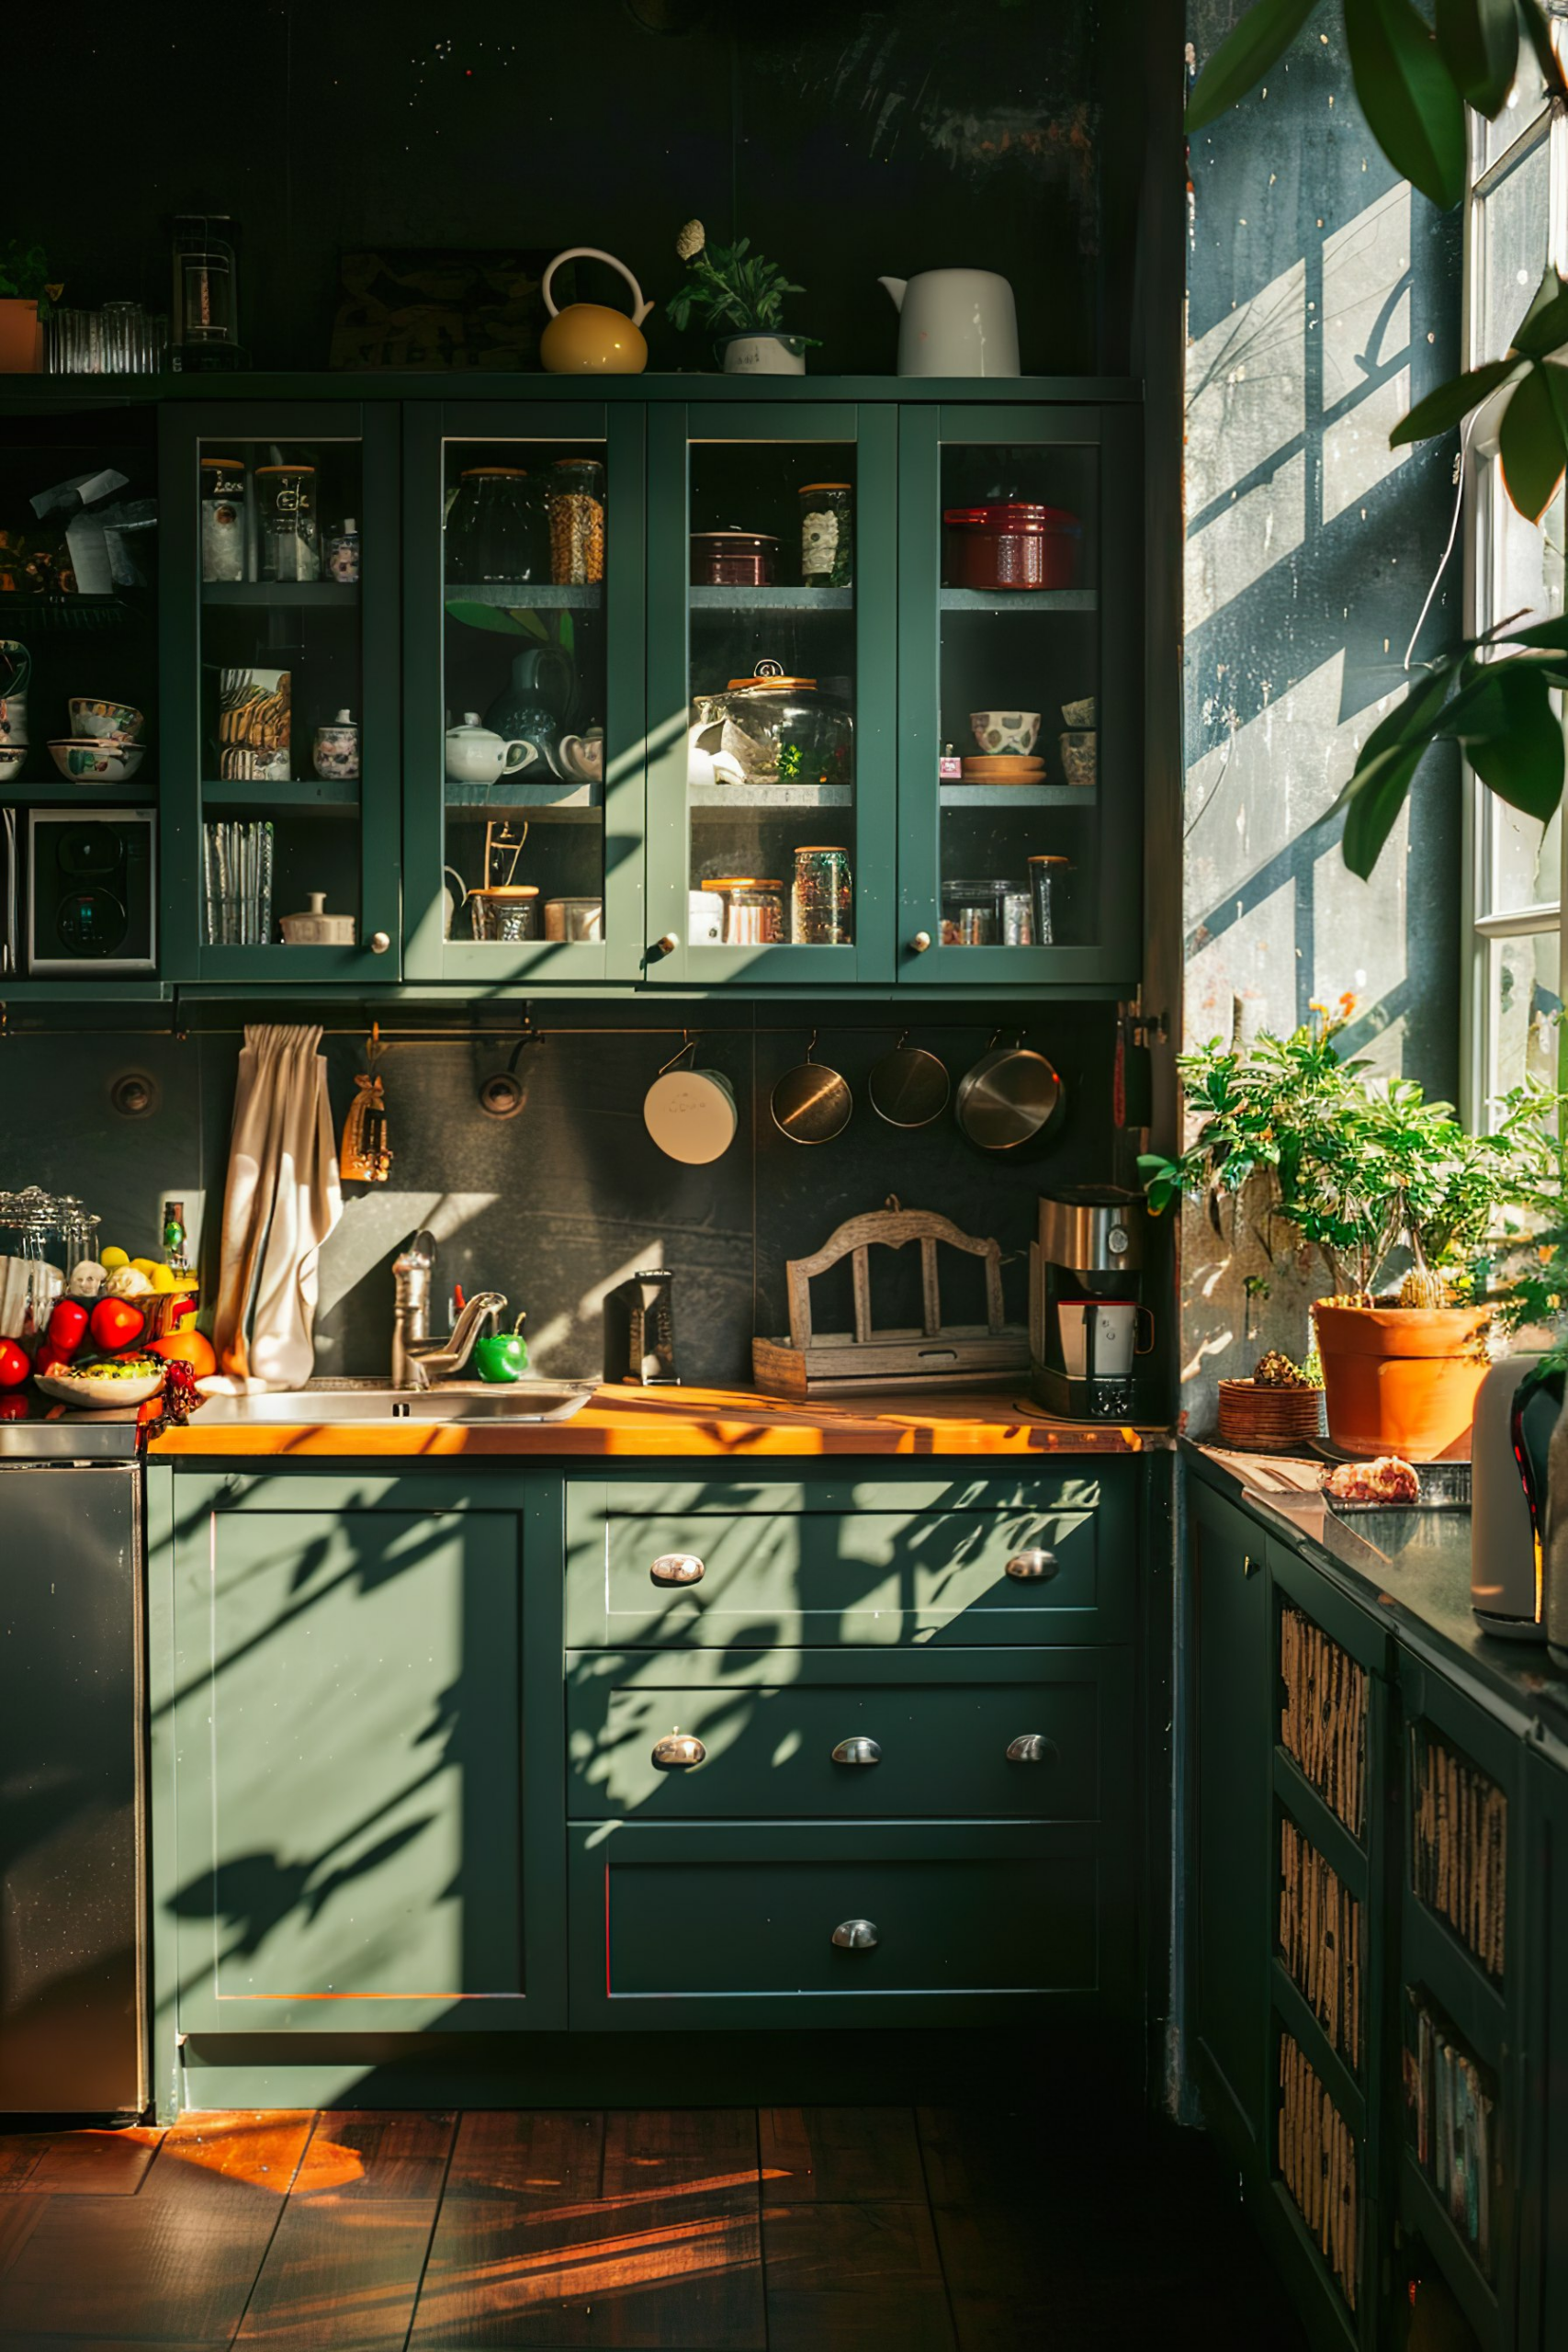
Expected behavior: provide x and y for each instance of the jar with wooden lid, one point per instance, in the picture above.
(576, 521)
(753, 909)
(822, 897)
(827, 533)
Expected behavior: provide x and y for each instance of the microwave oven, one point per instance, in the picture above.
(91, 901)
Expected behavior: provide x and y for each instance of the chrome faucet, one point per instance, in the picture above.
(418, 1361)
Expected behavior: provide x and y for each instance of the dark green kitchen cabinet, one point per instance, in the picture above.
(358, 1848)
(1543, 2207)
(1229, 1823)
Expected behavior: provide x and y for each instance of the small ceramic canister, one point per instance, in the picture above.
(336, 751)
(343, 552)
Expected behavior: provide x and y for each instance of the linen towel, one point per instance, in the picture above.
(281, 1201)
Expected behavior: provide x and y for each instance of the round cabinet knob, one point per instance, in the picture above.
(857, 1751)
(1032, 1748)
(921, 942)
(665, 944)
(679, 1752)
(677, 1568)
(1028, 1565)
(379, 942)
(855, 1935)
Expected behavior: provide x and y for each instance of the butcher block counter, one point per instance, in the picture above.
(629, 1422)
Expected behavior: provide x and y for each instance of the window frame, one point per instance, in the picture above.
(1488, 920)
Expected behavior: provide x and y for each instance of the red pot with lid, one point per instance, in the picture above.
(1010, 543)
(733, 558)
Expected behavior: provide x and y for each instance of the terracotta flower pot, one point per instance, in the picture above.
(21, 337)
(1402, 1379)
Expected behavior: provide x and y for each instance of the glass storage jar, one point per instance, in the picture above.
(505, 911)
(822, 897)
(495, 530)
(576, 521)
(827, 535)
(290, 542)
(1048, 888)
(753, 909)
(987, 912)
(774, 730)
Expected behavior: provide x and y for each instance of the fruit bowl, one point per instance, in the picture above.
(98, 1385)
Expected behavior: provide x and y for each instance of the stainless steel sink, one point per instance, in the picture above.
(371, 1407)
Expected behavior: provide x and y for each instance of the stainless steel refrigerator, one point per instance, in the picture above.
(73, 2027)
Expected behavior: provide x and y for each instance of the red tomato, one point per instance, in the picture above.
(67, 1327)
(116, 1324)
(14, 1408)
(15, 1364)
(46, 1355)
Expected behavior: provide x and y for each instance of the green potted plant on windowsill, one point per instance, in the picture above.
(1355, 1169)
(739, 297)
(24, 294)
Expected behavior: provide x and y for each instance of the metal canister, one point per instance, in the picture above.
(754, 910)
(223, 494)
(822, 901)
(574, 919)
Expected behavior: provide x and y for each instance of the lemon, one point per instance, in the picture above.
(148, 1266)
(163, 1278)
(110, 1259)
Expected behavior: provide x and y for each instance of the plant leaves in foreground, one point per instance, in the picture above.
(1412, 107)
(1244, 56)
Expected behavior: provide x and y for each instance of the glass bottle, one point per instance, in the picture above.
(175, 1256)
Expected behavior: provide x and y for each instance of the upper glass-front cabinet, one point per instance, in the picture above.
(1019, 696)
(282, 726)
(771, 678)
(525, 769)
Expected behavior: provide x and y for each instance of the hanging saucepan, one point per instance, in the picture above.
(811, 1104)
(1009, 1099)
(690, 1113)
(908, 1087)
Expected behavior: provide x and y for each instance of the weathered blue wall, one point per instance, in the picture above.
(1324, 298)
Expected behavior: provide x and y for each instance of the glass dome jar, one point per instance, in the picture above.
(497, 528)
(775, 730)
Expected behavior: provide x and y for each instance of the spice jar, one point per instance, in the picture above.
(290, 547)
(576, 521)
(222, 518)
(827, 535)
(1047, 886)
(754, 910)
(494, 528)
(1011, 543)
(505, 912)
(822, 897)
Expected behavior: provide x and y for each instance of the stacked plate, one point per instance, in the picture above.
(1003, 767)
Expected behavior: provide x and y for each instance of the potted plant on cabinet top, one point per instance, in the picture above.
(740, 297)
(1357, 1169)
(24, 305)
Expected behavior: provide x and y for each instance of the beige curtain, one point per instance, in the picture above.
(281, 1201)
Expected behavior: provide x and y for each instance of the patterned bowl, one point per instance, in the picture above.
(89, 762)
(105, 722)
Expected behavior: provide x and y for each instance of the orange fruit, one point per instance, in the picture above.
(189, 1346)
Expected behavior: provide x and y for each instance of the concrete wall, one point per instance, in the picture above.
(1323, 299)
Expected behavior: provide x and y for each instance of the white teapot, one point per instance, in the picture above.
(477, 755)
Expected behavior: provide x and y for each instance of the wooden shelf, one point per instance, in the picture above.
(1021, 600)
(271, 595)
(1017, 795)
(778, 799)
(1424, 2212)
(525, 595)
(771, 600)
(339, 797)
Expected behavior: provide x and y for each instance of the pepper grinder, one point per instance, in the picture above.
(640, 1331)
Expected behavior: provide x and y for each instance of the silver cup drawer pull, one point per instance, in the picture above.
(1032, 1748)
(677, 1568)
(679, 1751)
(858, 1751)
(855, 1935)
(1027, 1567)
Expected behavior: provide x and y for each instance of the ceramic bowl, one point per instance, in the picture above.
(1000, 732)
(105, 722)
(87, 761)
(13, 759)
(1079, 713)
(95, 1391)
(1078, 758)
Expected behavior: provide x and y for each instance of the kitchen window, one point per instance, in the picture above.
(1517, 219)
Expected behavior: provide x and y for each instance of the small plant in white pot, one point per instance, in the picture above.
(738, 296)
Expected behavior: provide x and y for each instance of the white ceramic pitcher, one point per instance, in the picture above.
(955, 322)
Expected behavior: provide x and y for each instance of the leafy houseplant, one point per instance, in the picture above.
(24, 304)
(1415, 80)
(738, 296)
(1353, 1169)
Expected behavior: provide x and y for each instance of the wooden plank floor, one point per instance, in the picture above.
(881, 2229)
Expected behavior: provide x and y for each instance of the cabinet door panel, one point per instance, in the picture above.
(349, 1767)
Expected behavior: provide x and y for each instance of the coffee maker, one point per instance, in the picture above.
(1089, 1330)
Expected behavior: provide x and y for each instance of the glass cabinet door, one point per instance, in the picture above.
(523, 692)
(772, 677)
(1021, 695)
(282, 847)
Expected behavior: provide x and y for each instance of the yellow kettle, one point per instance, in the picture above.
(587, 338)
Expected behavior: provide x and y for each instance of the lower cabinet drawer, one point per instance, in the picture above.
(887, 1923)
(1041, 1736)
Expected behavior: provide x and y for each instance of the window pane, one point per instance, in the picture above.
(1523, 561)
(1515, 217)
(1527, 860)
(1526, 100)
(1524, 1007)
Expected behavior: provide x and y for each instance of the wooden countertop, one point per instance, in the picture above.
(631, 1422)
